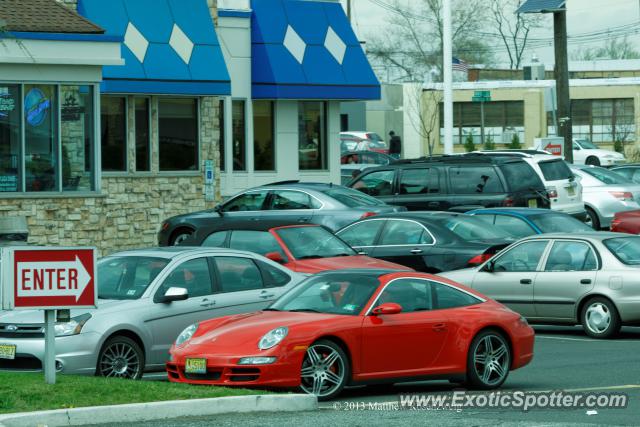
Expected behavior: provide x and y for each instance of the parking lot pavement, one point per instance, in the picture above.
(565, 359)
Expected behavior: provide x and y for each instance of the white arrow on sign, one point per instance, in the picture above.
(52, 279)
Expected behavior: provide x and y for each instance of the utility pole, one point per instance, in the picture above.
(447, 64)
(349, 10)
(564, 124)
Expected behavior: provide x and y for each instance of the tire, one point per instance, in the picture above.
(180, 236)
(488, 360)
(592, 161)
(120, 357)
(600, 318)
(323, 380)
(592, 219)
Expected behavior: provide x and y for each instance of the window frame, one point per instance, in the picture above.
(376, 238)
(274, 133)
(108, 174)
(389, 220)
(323, 140)
(150, 139)
(217, 285)
(272, 194)
(541, 262)
(198, 170)
(169, 269)
(549, 249)
(266, 202)
(245, 112)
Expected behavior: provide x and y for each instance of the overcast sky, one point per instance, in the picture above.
(583, 16)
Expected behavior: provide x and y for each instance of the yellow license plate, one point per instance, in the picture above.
(7, 351)
(195, 366)
(533, 203)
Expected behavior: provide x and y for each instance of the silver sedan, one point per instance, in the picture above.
(585, 278)
(605, 193)
(146, 299)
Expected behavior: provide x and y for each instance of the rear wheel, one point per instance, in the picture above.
(592, 161)
(600, 319)
(488, 360)
(325, 370)
(121, 357)
(592, 219)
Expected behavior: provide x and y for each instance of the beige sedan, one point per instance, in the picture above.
(592, 279)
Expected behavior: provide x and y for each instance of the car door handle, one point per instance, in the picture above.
(440, 327)
(433, 204)
(265, 296)
(526, 281)
(585, 281)
(303, 219)
(207, 303)
(416, 251)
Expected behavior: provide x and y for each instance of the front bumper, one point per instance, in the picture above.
(76, 354)
(612, 162)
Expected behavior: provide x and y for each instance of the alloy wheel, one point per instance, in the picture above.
(491, 360)
(120, 360)
(598, 318)
(181, 238)
(323, 370)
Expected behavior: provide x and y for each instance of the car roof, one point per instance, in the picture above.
(420, 215)
(469, 158)
(295, 184)
(170, 252)
(514, 211)
(593, 235)
(376, 272)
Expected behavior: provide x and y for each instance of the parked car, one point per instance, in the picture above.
(366, 157)
(427, 241)
(629, 171)
(524, 222)
(362, 141)
(301, 248)
(146, 297)
(571, 278)
(587, 153)
(358, 327)
(330, 205)
(563, 190)
(604, 193)
(458, 183)
(626, 222)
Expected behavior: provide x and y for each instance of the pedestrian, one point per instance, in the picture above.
(395, 145)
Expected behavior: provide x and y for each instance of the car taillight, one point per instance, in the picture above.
(622, 195)
(552, 192)
(614, 224)
(479, 259)
(508, 202)
(367, 215)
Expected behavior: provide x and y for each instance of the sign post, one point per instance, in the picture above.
(48, 279)
(481, 96)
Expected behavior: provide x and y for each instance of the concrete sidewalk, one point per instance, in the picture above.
(155, 411)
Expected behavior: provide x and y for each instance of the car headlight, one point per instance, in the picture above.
(72, 327)
(273, 338)
(186, 334)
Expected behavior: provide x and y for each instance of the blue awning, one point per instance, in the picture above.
(170, 47)
(307, 50)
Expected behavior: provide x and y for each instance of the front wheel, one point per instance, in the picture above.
(488, 360)
(180, 236)
(592, 219)
(325, 370)
(592, 161)
(600, 318)
(121, 357)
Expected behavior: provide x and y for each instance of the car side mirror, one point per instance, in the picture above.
(275, 257)
(175, 294)
(387, 308)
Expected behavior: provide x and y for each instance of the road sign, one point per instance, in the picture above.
(481, 96)
(48, 278)
(554, 145)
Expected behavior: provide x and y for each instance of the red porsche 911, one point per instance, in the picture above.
(354, 327)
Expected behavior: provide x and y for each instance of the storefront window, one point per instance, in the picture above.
(239, 136)
(263, 136)
(41, 141)
(10, 138)
(76, 130)
(114, 133)
(222, 143)
(143, 138)
(178, 125)
(312, 131)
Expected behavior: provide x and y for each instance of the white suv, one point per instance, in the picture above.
(564, 190)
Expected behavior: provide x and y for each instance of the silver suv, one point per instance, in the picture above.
(146, 298)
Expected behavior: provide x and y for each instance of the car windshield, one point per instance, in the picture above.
(336, 293)
(626, 249)
(313, 242)
(374, 137)
(558, 223)
(587, 145)
(127, 277)
(606, 176)
(352, 198)
(472, 228)
(555, 170)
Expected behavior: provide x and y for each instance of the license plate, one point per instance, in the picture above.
(7, 351)
(195, 366)
(571, 191)
(533, 203)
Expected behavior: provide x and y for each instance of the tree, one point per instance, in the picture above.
(515, 142)
(489, 144)
(514, 28)
(469, 146)
(412, 42)
(612, 49)
(424, 122)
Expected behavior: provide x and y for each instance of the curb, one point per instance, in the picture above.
(154, 411)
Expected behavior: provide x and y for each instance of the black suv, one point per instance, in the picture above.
(457, 183)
